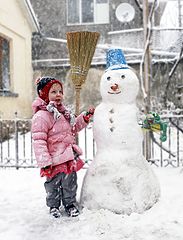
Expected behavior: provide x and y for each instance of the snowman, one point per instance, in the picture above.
(119, 178)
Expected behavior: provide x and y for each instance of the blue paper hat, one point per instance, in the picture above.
(115, 60)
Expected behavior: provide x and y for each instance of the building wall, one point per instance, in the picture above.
(14, 27)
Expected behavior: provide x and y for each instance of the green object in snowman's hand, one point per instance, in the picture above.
(154, 123)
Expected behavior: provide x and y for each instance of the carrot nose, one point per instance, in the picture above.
(114, 87)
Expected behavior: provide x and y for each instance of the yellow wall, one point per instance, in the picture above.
(14, 26)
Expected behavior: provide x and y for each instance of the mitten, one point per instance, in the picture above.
(89, 114)
(46, 171)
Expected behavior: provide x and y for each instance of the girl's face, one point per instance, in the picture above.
(55, 94)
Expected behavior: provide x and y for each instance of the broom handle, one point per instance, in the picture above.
(77, 107)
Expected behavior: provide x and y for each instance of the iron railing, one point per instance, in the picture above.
(169, 153)
(16, 148)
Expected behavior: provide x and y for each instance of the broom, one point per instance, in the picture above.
(81, 46)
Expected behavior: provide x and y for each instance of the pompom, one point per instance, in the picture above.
(37, 81)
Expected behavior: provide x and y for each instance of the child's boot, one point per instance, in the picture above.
(72, 210)
(55, 212)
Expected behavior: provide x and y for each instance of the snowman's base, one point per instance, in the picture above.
(123, 211)
(125, 189)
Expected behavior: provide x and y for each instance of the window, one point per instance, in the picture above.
(4, 65)
(87, 11)
(101, 1)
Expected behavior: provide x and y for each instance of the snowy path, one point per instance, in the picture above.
(24, 216)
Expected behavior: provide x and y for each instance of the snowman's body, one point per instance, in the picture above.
(119, 178)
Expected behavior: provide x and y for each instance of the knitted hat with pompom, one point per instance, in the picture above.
(43, 86)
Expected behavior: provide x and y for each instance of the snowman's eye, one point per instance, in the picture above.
(108, 78)
(122, 76)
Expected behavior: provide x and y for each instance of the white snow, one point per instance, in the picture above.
(24, 215)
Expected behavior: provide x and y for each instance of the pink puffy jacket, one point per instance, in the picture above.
(53, 140)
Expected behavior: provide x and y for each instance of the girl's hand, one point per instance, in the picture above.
(91, 111)
(89, 114)
(46, 171)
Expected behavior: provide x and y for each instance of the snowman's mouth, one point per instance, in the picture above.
(114, 92)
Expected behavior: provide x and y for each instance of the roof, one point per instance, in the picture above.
(29, 14)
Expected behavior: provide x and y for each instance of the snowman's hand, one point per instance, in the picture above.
(88, 115)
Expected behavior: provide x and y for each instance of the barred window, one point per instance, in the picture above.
(4, 64)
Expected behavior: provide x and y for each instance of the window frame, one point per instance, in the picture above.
(7, 91)
(80, 14)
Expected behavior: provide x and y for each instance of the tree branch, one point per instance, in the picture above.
(139, 5)
(176, 63)
(174, 124)
(171, 74)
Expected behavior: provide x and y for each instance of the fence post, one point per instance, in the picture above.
(16, 142)
(178, 141)
(1, 141)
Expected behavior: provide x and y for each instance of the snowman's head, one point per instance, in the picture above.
(119, 86)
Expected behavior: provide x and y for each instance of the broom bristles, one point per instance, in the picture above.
(81, 46)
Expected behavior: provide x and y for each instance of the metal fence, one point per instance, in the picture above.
(16, 144)
(16, 148)
(169, 153)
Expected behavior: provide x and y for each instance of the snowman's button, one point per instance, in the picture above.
(112, 110)
(111, 120)
(112, 129)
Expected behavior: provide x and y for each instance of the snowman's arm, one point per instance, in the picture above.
(163, 136)
(140, 117)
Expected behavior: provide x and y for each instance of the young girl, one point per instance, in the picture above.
(53, 132)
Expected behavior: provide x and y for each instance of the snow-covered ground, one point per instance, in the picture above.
(24, 215)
